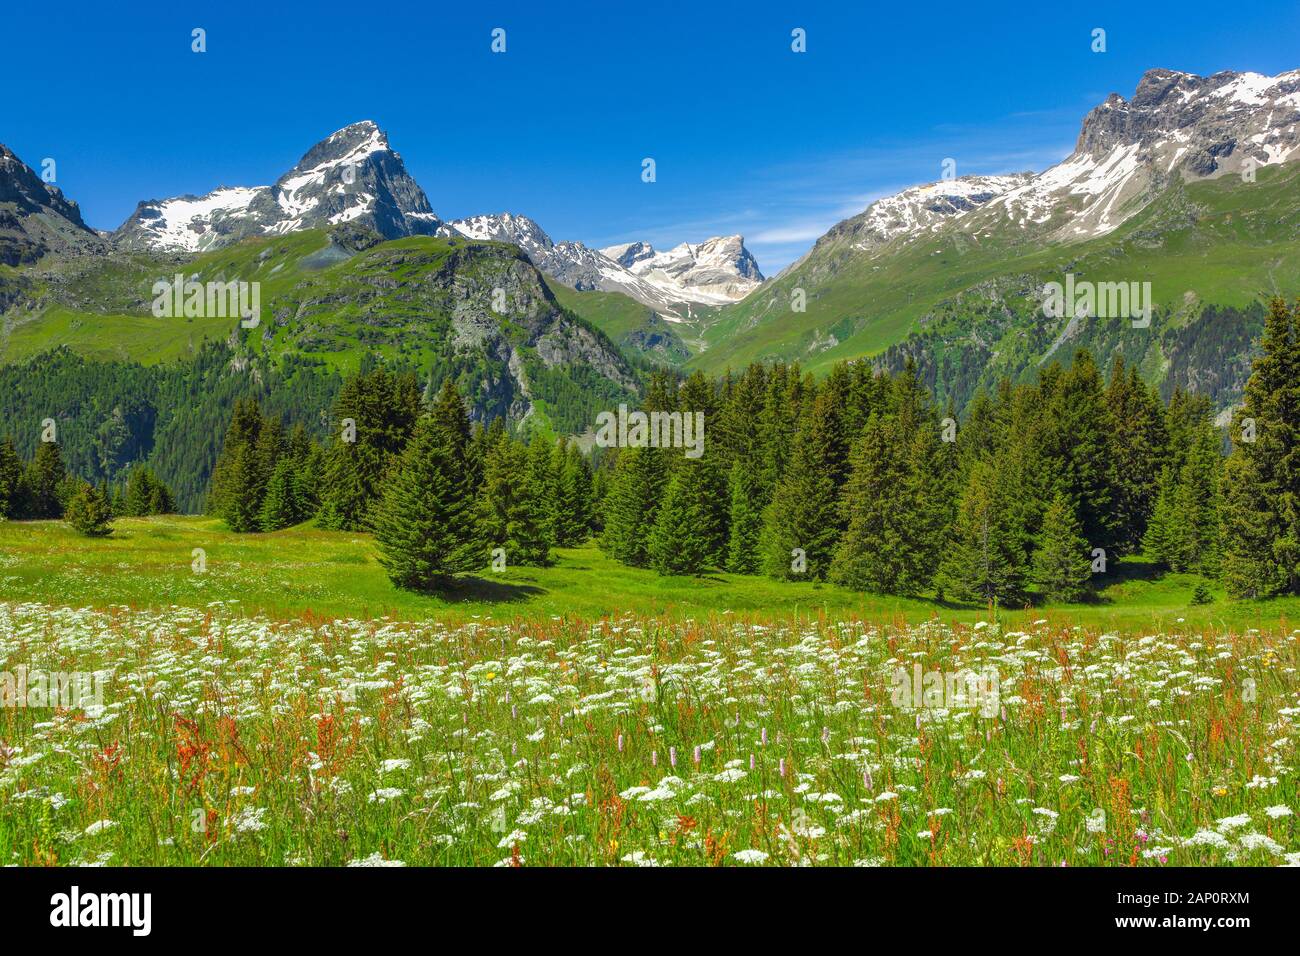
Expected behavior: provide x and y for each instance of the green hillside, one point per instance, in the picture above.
(1220, 241)
(635, 328)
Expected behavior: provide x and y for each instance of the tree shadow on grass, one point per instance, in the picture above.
(470, 588)
(1121, 573)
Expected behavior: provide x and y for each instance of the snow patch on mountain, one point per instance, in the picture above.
(351, 175)
(715, 272)
(1176, 124)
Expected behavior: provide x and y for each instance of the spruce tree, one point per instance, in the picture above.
(882, 508)
(512, 514)
(543, 485)
(424, 524)
(985, 557)
(88, 511)
(1062, 565)
(746, 519)
(280, 506)
(1249, 568)
(573, 515)
(686, 537)
(11, 479)
(381, 409)
(43, 481)
(632, 504)
(800, 525)
(139, 491)
(1261, 488)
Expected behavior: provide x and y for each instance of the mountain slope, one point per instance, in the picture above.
(675, 284)
(1177, 152)
(341, 298)
(351, 176)
(36, 218)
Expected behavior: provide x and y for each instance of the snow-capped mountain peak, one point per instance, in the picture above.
(714, 272)
(353, 174)
(1176, 124)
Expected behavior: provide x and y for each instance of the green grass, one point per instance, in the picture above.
(590, 714)
(147, 562)
(217, 740)
(633, 327)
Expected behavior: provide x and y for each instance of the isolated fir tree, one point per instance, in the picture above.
(424, 524)
(1062, 565)
(43, 480)
(11, 479)
(88, 511)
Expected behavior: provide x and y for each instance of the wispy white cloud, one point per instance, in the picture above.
(782, 208)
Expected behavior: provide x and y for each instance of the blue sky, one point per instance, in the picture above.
(748, 137)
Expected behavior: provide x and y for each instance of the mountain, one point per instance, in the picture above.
(715, 272)
(352, 176)
(1189, 185)
(35, 217)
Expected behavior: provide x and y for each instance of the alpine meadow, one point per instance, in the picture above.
(949, 520)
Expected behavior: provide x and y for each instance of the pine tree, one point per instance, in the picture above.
(800, 526)
(985, 557)
(882, 509)
(88, 512)
(1061, 564)
(424, 525)
(686, 537)
(280, 506)
(632, 504)
(11, 480)
(746, 519)
(512, 513)
(43, 481)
